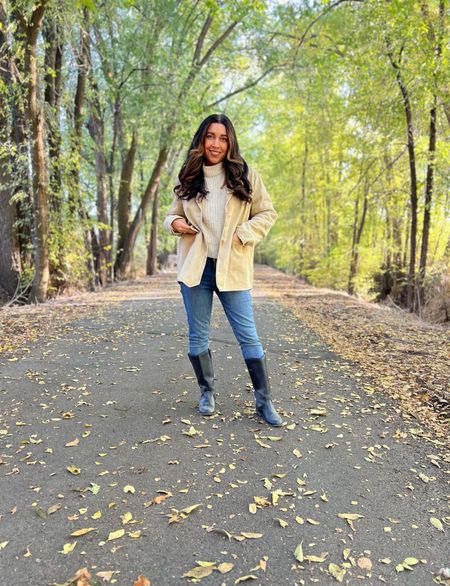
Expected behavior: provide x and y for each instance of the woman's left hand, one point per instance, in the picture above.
(237, 239)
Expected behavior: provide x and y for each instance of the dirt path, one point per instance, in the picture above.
(105, 463)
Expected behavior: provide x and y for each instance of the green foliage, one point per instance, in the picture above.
(332, 126)
(321, 117)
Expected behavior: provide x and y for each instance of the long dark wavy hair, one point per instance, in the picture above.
(191, 176)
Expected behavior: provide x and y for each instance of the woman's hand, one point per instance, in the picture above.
(182, 227)
(237, 239)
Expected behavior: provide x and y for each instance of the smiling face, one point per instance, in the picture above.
(215, 144)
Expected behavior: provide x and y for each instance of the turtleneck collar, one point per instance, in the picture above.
(213, 170)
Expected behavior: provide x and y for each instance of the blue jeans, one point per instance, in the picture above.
(238, 308)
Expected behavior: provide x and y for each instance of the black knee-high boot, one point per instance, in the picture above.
(257, 369)
(203, 368)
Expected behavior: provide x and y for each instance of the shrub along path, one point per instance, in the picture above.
(106, 465)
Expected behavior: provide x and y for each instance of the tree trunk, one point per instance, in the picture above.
(75, 199)
(301, 250)
(19, 137)
(395, 239)
(124, 198)
(412, 175)
(152, 267)
(428, 199)
(53, 81)
(37, 148)
(352, 272)
(431, 157)
(96, 126)
(110, 170)
(357, 234)
(446, 104)
(9, 250)
(102, 208)
(52, 32)
(123, 263)
(83, 66)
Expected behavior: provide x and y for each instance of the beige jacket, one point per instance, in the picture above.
(251, 222)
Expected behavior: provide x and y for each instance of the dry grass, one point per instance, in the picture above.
(407, 357)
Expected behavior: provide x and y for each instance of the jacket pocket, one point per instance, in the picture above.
(238, 247)
(240, 266)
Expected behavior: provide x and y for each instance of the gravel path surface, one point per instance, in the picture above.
(99, 432)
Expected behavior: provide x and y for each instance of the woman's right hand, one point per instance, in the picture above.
(182, 227)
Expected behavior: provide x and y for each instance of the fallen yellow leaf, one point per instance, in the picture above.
(245, 578)
(126, 518)
(68, 548)
(199, 572)
(225, 567)
(316, 558)
(437, 523)
(350, 516)
(337, 572)
(116, 534)
(298, 553)
(80, 532)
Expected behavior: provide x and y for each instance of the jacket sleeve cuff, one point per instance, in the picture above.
(243, 235)
(168, 224)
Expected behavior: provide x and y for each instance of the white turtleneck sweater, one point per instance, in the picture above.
(213, 207)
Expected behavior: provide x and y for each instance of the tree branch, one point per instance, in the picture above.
(201, 39)
(247, 85)
(317, 18)
(218, 42)
(38, 14)
(127, 77)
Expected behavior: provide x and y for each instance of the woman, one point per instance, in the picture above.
(220, 210)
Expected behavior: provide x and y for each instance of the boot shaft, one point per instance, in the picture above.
(204, 371)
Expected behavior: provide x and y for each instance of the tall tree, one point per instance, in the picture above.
(436, 38)
(30, 27)
(10, 264)
(413, 193)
